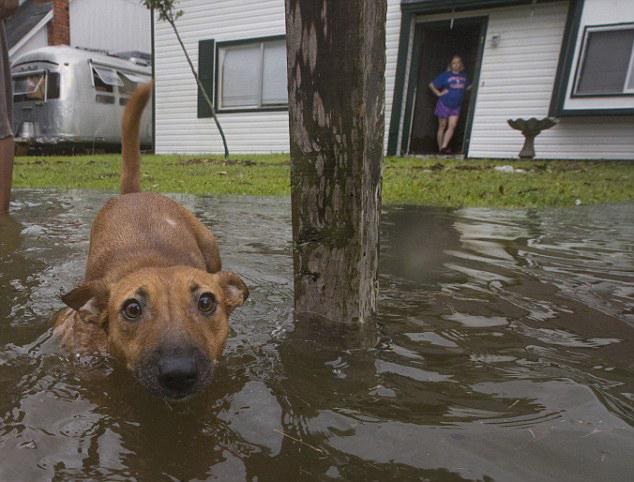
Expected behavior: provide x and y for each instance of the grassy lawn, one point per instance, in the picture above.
(439, 182)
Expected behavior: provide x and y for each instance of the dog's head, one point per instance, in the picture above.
(168, 325)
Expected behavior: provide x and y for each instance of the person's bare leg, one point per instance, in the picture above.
(451, 128)
(7, 152)
(440, 135)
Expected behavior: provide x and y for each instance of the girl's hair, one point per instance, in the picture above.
(453, 57)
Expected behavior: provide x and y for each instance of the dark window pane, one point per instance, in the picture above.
(52, 87)
(104, 99)
(606, 62)
(103, 81)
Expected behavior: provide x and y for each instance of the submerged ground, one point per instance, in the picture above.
(502, 351)
(432, 182)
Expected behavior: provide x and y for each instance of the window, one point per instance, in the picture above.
(30, 87)
(105, 80)
(52, 85)
(606, 65)
(252, 75)
(130, 81)
(104, 99)
(36, 86)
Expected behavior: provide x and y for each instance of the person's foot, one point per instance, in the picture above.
(446, 150)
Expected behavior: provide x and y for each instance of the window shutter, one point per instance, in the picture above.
(206, 54)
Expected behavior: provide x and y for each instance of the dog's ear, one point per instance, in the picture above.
(89, 299)
(236, 292)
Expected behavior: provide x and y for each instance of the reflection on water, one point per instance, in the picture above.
(502, 351)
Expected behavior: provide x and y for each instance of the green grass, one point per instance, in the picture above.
(477, 183)
(439, 182)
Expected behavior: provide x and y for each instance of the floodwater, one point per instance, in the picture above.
(503, 351)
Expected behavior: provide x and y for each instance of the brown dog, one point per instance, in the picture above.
(153, 294)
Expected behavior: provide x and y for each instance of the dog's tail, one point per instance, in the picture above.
(130, 148)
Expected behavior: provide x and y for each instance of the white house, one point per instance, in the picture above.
(568, 59)
(112, 25)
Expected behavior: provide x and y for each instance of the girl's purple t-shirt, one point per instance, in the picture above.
(455, 85)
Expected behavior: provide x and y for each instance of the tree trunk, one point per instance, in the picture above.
(336, 92)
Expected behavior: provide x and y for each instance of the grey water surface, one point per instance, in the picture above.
(503, 350)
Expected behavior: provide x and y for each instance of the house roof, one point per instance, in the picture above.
(25, 19)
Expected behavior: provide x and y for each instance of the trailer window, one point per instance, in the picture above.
(105, 79)
(29, 87)
(52, 86)
(105, 99)
(130, 82)
(33, 85)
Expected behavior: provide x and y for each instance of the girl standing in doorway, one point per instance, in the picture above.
(449, 87)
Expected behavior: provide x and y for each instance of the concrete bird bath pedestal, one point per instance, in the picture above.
(530, 128)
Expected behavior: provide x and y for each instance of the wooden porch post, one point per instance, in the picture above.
(336, 92)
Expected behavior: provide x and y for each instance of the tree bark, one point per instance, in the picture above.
(336, 92)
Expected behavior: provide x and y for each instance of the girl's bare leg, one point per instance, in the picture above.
(451, 128)
(442, 125)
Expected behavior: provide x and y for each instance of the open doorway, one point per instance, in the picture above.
(434, 45)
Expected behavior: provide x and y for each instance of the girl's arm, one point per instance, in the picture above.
(437, 92)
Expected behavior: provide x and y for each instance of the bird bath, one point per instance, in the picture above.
(530, 128)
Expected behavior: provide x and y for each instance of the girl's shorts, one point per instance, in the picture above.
(444, 112)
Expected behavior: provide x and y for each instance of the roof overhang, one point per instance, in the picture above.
(31, 33)
(440, 6)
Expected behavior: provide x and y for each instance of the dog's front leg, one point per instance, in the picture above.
(206, 242)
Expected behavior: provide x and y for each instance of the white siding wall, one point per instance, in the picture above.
(114, 25)
(392, 32)
(38, 40)
(517, 79)
(178, 130)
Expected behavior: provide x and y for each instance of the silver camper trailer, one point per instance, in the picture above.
(72, 97)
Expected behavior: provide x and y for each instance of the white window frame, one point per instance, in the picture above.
(221, 48)
(582, 57)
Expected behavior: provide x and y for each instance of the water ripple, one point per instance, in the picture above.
(502, 351)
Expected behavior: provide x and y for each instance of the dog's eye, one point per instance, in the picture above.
(131, 310)
(207, 303)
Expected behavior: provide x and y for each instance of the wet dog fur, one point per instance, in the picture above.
(153, 295)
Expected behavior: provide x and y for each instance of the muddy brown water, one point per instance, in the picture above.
(503, 350)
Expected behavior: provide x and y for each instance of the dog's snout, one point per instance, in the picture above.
(178, 373)
(175, 370)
